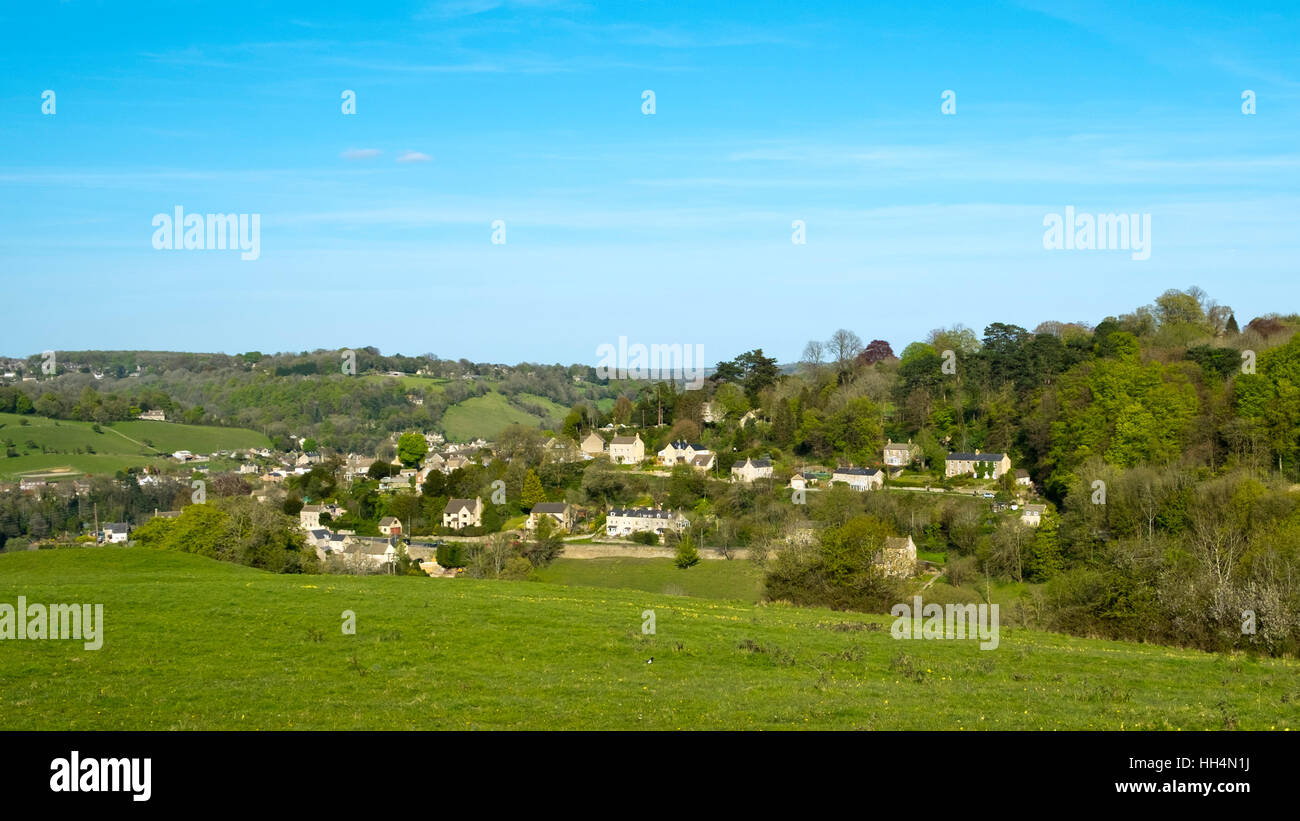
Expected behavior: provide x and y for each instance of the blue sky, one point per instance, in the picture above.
(666, 228)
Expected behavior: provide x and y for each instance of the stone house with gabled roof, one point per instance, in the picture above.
(593, 444)
(680, 453)
(803, 481)
(453, 461)
(560, 512)
(751, 469)
(627, 450)
(462, 513)
(356, 465)
(703, 461)
(859, 478)
(897, 557)
(115, 533)
(369, 551)
(1032, 515)
(900, 454)
(969, 464)
(624, 521)
(561, 449)
(309, 516)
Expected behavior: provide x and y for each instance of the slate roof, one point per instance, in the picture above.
(642, 512)
(856, 471)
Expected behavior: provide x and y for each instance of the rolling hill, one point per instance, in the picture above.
(192, 643)
(486, 416)
(55, 444)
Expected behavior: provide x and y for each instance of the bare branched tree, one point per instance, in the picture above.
(813, 352)
(844, 346)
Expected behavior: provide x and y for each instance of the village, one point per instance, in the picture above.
(618, 528)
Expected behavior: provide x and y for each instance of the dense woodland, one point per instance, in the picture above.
(1166, 442)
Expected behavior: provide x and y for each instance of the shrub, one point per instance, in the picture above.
(961, 570)
(687, 555)
(517, 568)
(451, 554)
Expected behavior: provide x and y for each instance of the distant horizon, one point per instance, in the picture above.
(784, 361)
(710, 361)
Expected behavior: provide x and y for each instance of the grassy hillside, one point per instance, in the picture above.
(480, 416)
(485, 416)
(731, 580)
(53, 466)
(413, 383)
(194, 644)
(169, 437)
(735, 580)
(116, 446)
(555, 411)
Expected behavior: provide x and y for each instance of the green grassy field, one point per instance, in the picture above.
(423, 383)
(169, 437)
(484, 416)
(556, 411)
(112, 451)
(52, 466)
(480, 416)
(191, 643)
(116, 446)
(729, 580)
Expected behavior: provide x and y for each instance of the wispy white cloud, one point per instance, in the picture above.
(668, 37)
(449, 9)
(414, 156)
(1248, 69)
(478, 67)
(1178, 35)
(192, 57)
(518, 62)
